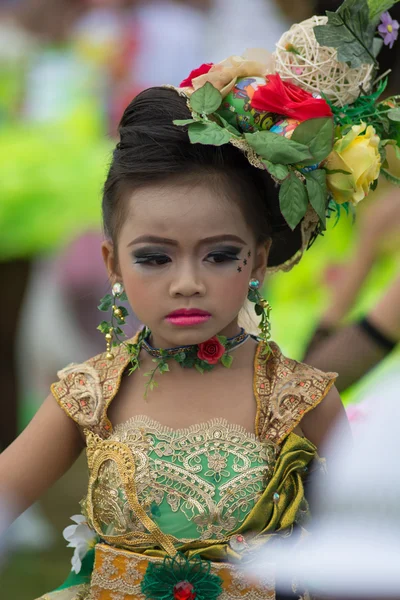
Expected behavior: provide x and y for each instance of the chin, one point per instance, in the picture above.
(187, 336)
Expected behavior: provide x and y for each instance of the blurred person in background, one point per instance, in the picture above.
(352, 349)
(354, 546)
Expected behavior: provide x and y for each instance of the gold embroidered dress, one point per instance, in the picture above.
(213, 490)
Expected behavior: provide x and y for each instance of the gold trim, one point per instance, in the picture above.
(307, 410)
(99, 451)
(256, 362)
(112, 566)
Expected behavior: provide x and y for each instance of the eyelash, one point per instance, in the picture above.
(159, 260)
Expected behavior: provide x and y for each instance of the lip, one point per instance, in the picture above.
(184, 317)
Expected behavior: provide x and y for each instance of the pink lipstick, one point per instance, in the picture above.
(184, 317)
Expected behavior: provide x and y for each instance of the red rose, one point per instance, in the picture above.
(211, 351)
(288, 100)
(202, 70)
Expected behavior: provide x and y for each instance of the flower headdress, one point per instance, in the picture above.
(310, 114)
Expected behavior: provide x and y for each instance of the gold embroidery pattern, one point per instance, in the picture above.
(100, 451)
(285, 390)
(185, 467)
(130, 569)
(85, 390)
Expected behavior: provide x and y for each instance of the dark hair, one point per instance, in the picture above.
(152, 150)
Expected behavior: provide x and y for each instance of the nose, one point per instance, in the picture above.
(187, 283)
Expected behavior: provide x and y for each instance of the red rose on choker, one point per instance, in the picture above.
(202, 70)
(288, 100)
(211, 351)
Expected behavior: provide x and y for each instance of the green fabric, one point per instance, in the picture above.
(191, 471)
(178, 523)
(268, 517)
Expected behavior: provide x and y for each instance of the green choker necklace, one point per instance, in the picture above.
(203, 357)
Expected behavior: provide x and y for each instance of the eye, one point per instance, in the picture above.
(222, 256)
(152, 260)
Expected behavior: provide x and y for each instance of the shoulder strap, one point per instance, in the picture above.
(285, 390)
(86, 390)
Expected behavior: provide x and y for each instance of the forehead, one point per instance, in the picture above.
(182, 212)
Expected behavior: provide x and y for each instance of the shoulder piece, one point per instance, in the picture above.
(85, 390)
(285, 390)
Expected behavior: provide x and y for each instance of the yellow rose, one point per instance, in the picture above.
(223, 75)
(358, 154)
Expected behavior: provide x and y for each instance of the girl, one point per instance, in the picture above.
(200, 461)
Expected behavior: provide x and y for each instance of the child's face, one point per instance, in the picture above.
(185, 247)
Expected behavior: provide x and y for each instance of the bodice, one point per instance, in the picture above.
(195, 483)
(153, 489)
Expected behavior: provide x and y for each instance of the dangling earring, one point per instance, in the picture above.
(110, 329)
(262, 309)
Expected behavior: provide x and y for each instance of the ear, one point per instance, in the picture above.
(261, 260)
(107, 250)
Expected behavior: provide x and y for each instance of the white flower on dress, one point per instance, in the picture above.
(80, 537)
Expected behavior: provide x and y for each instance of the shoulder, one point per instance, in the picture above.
(84, 391)
(285, 390)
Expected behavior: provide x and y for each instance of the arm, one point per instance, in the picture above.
(43, 452)
(318, 423)
(355, 349)
(379, 222)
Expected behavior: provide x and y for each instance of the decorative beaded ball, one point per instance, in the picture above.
(236, 107)
(315, 68)
(285, 127)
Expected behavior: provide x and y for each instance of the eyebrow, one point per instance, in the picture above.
(154, 239)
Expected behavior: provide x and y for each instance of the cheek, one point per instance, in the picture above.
(233, 290)
(139, 289)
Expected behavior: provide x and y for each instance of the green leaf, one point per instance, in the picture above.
(183, 122)
(293, 200)
(397, 152)
(104, 327)
(390, 177)
(377, 7)
(199, 368)
(317, 192)
(317, 135)
(258, 310)
(276, 148)
(106, 303)
(208, 133)
(118, 331)
(280, 172)
(163, 368)
(351, 31)
(222, 339)
(228, 126)
(206, 99)
(227, 360)
(394, 114)
(180, 358)
(377, 46)
(123, 297)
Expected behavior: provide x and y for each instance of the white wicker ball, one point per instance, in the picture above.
(316, 69)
